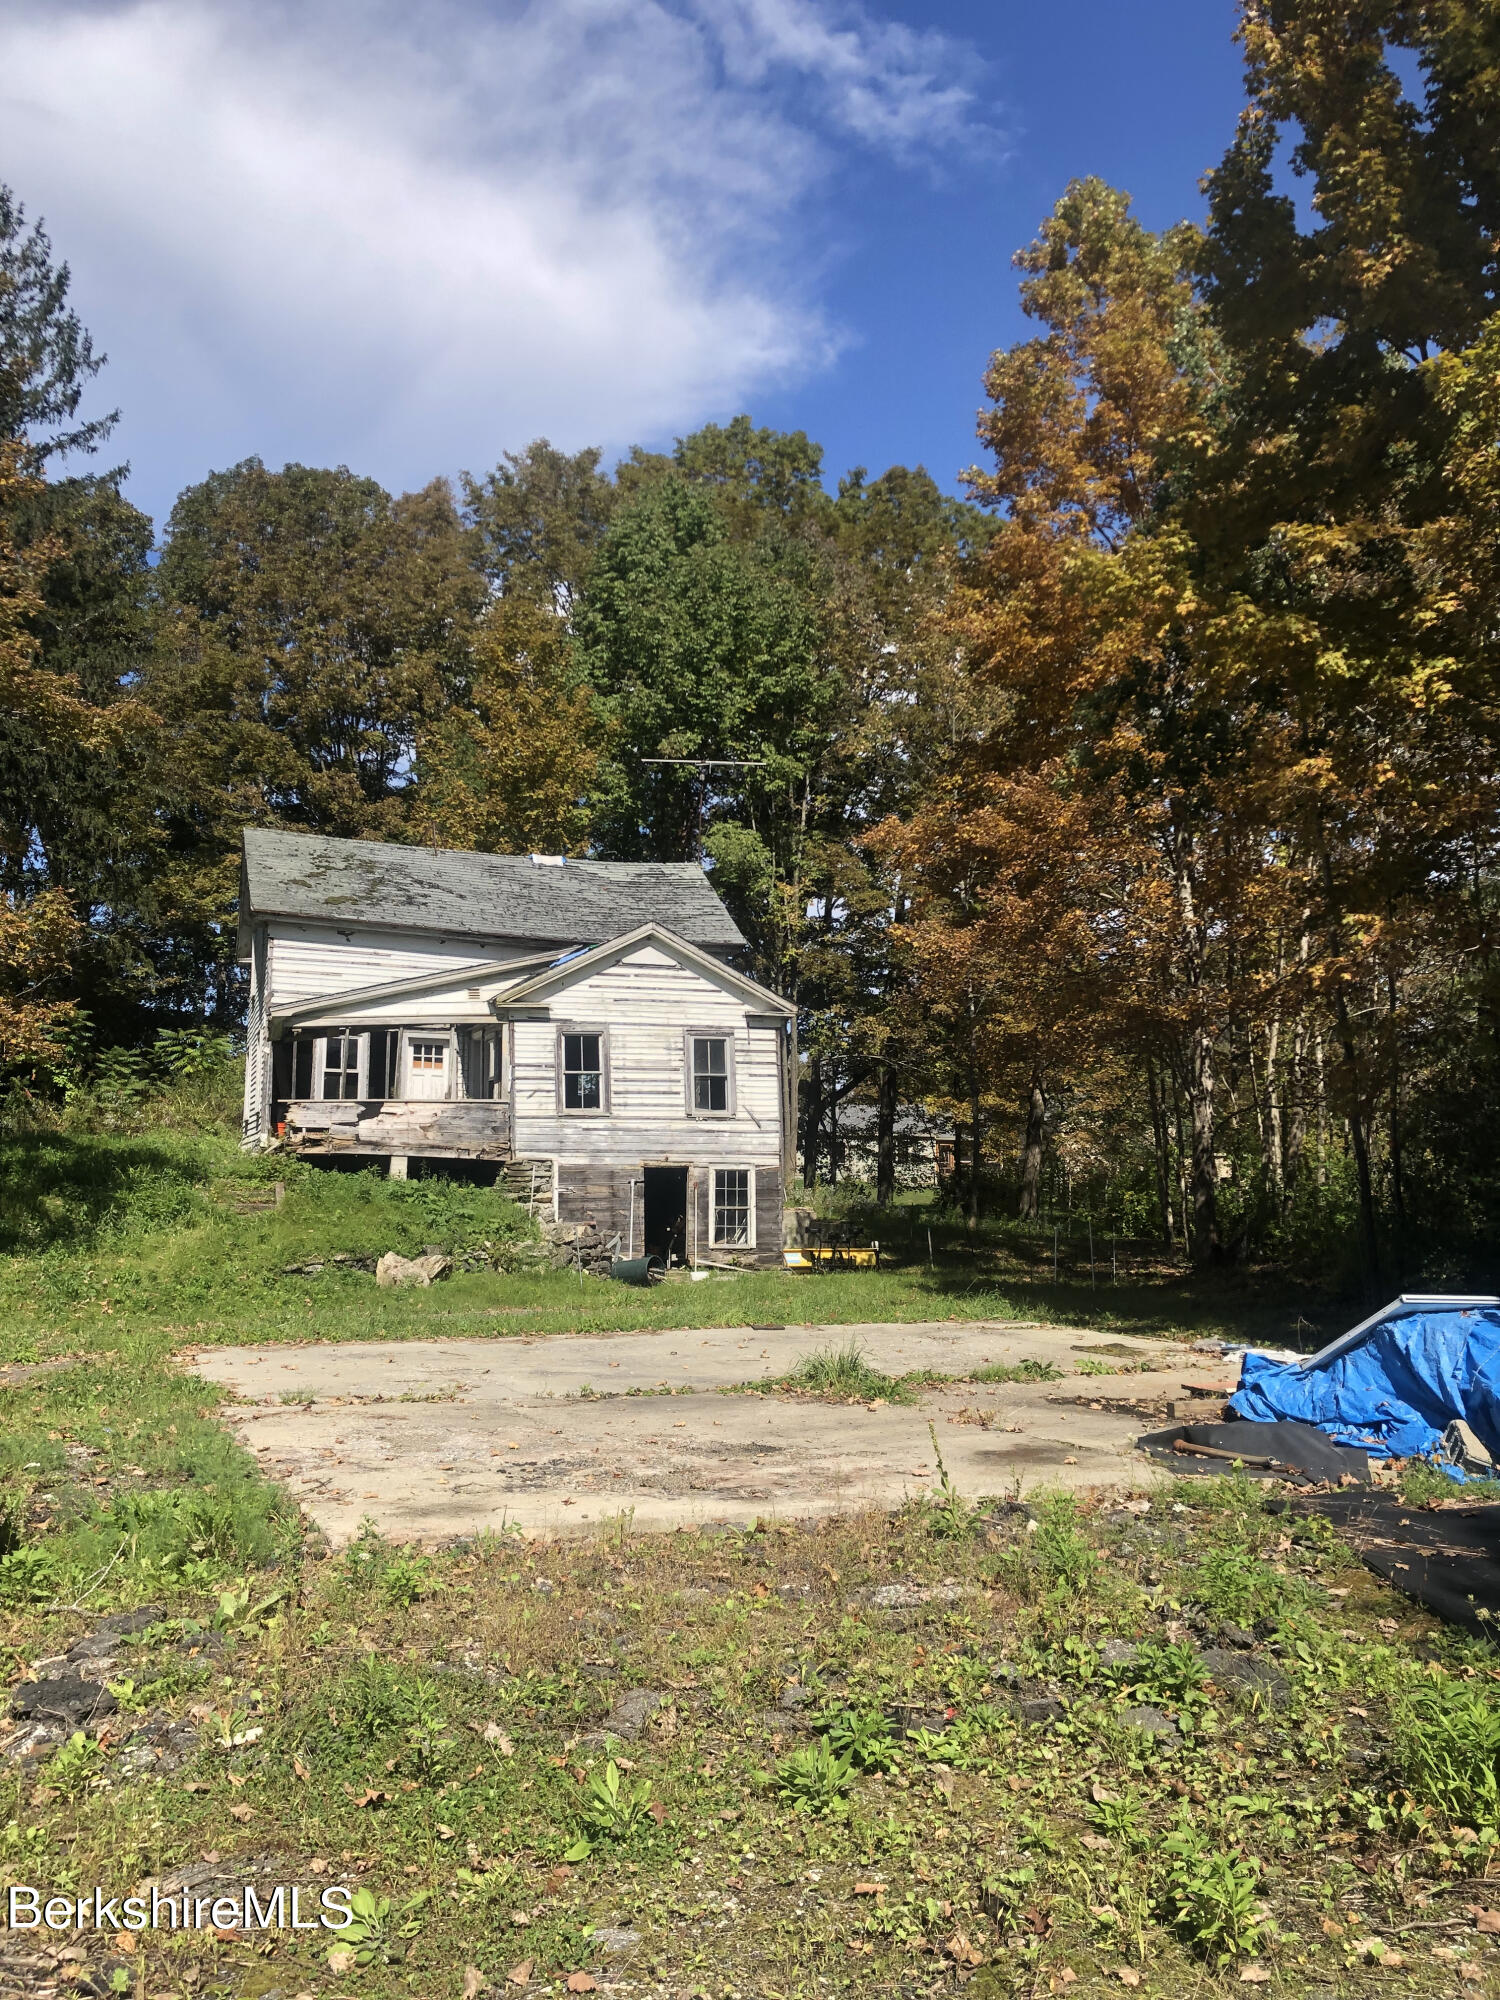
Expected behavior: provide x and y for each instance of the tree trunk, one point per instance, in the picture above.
(1349, 1053)
(1296, 1125)
(1203, 1233)
(1398, 1189)
(1031, 1150)
(1207, 1248)
(885, 1136)
(1322, 1097)
(812, 1132)
(972, 1220)
(1275, 1144)
(1163, 1152)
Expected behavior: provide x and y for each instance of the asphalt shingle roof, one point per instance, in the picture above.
(476, 895)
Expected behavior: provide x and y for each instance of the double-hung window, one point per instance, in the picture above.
(341, 1066)
(710, 1075)
(582, 1065)
(733, 1221)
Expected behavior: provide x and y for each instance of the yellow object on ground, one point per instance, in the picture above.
(823, 1257)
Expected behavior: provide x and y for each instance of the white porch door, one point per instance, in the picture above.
(427, 1066)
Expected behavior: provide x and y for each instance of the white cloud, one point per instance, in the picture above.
(409, 237)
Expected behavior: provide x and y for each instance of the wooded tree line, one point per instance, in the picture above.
(1139, 808)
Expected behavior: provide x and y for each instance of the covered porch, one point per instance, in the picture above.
(436, 1092)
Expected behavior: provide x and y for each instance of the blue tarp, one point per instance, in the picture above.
(1396, 1391)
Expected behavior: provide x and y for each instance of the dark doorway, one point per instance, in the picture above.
(664, 1203)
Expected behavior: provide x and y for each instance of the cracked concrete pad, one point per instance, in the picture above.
(435, 1440)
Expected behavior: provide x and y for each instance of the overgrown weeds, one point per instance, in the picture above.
(1445, 1749)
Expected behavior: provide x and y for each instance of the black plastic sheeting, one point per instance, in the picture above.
(1297, 1448)
(1447, 1558)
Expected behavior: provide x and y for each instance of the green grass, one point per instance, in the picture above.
(439, 1741)
(431, 1727)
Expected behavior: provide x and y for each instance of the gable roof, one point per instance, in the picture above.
(474, 895)
(760, 999)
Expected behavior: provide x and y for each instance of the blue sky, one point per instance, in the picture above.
(1145, 95)
(408, 237)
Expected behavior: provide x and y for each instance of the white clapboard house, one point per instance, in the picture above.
(583, 1027)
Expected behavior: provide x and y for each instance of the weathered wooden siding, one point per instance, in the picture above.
(646, 1002)
(308, 960)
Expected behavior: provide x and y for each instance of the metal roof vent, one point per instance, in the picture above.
(548, 860)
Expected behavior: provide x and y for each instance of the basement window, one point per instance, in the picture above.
(732, 1211)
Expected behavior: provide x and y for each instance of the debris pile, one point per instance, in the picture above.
(580, 1246)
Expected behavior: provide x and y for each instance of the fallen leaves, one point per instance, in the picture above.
(242, 1813)
(474, 1981)
(371, 1797)
(582, 1982)
(1254, 1973)
(1487, 1921)
(493, 1733)
(520, 1974)
(869, 1888)
(1127, 1975)
(341, 1959)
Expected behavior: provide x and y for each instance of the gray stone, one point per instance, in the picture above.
(162, 1744)
(34, 1742)
(908, 1596)
(1116, 1653)
(1238, 1636)
(64, 1698)
(1041, 1708)
(1150, 1721)
(632, 1712)
(613, 1940)
(794, 1695)
(1248, 1678)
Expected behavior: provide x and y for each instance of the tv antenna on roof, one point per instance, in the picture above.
(702, 764)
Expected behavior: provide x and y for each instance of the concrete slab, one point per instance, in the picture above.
(439, 1439)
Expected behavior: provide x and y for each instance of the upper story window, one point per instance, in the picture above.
(582, 1071)
(710, 1074)
(341, 1066)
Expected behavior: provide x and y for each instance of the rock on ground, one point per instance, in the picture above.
(395, 1270)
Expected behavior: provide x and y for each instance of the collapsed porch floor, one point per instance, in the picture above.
(434, 1440)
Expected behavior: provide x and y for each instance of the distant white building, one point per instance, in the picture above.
(580, 1024)
(923, 1145)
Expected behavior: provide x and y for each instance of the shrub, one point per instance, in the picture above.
(862, 1736)
(27, 1576)
(815, 1782)
(1210, 1897)
(1061, 1554)
(1445, 1749)
(613, 1810)
(1172, 1674)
